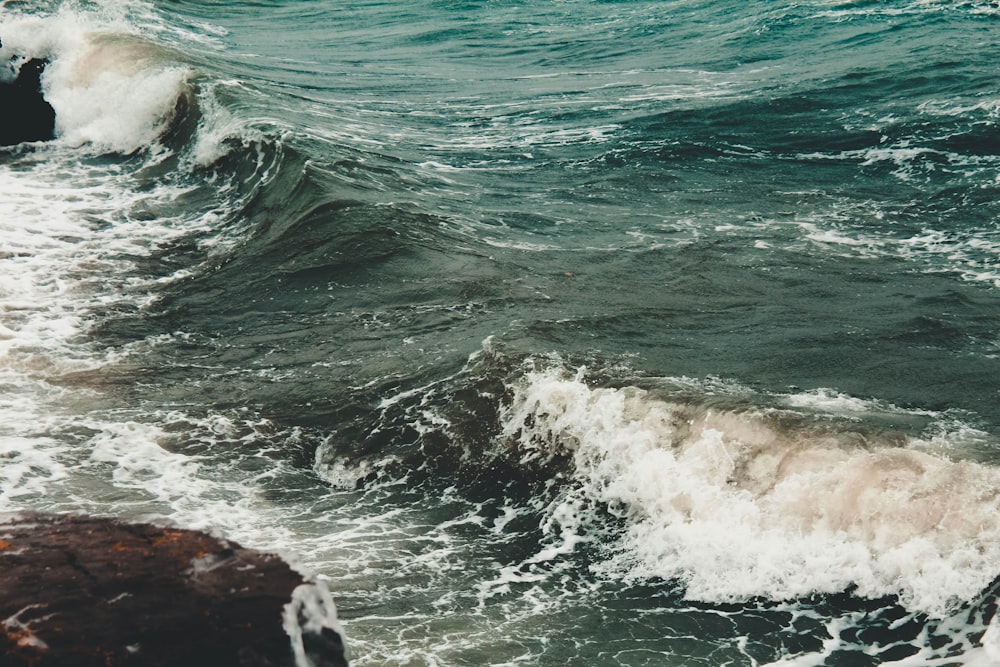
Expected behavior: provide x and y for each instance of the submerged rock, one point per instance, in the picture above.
(78, 590)
(25, 115)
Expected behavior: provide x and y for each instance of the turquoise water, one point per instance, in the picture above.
(610, 333)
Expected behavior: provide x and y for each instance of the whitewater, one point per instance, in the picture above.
(544, 332)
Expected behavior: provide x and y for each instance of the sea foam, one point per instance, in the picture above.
(738, 504)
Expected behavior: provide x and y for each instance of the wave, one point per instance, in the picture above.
(734, 494)
(741, 505)
(113, 88)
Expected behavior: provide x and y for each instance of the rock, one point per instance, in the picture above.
(77, 590)
(24, 113)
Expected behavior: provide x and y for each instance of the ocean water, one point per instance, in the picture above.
(549, 332)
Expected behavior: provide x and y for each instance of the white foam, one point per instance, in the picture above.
(976, 257)
(57, 263)
(118, 109)
(29, 465)
(310, 611)
(988, 654)
(343, 474)
(848, 10)
(220, 131)
(840, 404)
(973, 255)
(835, 237)
(736, 507)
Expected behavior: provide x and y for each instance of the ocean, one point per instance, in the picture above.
(548, 332)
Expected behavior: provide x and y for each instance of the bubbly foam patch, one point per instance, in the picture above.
(740, 504)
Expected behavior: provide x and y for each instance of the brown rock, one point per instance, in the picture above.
(78, 590)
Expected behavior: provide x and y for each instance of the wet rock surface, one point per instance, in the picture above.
(25, 115)
(78, 590)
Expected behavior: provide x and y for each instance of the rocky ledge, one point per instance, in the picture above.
(78, 590)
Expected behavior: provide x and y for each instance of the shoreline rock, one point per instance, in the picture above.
(25, 115)
(79, 590)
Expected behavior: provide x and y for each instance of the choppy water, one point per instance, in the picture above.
(551, 332)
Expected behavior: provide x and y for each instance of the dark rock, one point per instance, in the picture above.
(78, 590)
(25, 115)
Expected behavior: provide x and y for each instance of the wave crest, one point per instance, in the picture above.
(744, 502)
(111, 88)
